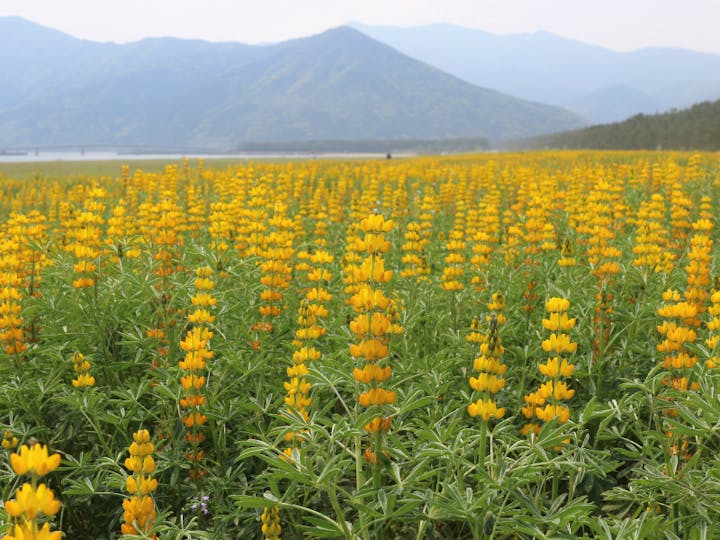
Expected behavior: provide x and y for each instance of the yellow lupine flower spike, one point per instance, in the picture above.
(34, 460)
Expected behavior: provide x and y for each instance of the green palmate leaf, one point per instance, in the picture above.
(80, 487)
(594, 410)
(411, 402)
(251, 501)
(321, 528)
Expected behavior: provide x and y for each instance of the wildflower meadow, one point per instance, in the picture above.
(483, 346)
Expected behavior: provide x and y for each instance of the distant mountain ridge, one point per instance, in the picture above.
(600, 84)
(339, 84)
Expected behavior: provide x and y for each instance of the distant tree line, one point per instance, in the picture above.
(696, 128)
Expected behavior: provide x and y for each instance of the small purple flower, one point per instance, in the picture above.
(201, 504)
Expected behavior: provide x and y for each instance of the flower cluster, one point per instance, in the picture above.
(713, 327)
(82, 369)
(599, 226)
(12, 335)
(220, 228)
(680, 205)
(530, 297)
(679, 361)
(539, 233)
(139, 508)
(161, 224)
(652, 245)
(312, 309)
(351, 256)
(297, 386)
(414, 259)
(276, 251)
(195, 207)
(489, 364)
(321, 228)
(83, 236)
(21, 263)
(485, 238)
(23, 233)
(602, 322)
(252, 226)
(196, 347)
(698, 266)
(121, 235)
(271, 528)
(455, 259)
(545, 403)
(200, 504)
(567, 254)
(677, 330)
(372, 326)
(33, 502)
(9, 440)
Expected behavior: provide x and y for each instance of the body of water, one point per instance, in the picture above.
(114, 156)
(31, 157)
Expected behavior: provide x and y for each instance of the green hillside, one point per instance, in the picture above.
(696, 128)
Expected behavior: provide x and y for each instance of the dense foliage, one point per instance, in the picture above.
(695, 128)
(496, 346)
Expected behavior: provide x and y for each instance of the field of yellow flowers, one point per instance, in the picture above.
(490, 346)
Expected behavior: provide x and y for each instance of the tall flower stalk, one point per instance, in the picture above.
(371, 328)
(139, 509)
(196, 346)
(546, 403)
(490, 379)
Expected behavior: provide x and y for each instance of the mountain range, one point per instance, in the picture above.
(340, 84)
(599, 84)
(357, 83)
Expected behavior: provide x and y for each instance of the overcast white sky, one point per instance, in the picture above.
(617, 24)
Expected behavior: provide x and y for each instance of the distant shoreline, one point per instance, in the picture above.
(50, 157)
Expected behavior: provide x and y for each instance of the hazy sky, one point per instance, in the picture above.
(617, 24)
